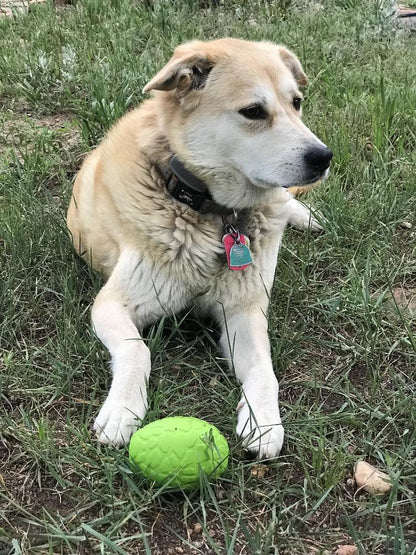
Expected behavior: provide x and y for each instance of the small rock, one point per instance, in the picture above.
(371, 479)
(347, 550)
(351, 483)
(406, 225)
(212, 533)
(197, 528)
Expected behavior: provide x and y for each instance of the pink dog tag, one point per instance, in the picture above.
(237, 250)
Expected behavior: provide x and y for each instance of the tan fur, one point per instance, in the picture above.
(159, 255)
(301, 190)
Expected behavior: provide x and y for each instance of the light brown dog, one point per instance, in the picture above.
(230, 112)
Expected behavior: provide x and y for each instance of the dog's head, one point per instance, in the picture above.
(234, 109)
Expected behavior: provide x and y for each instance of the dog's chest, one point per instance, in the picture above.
(190, 245)
(185, 258)
(187, 247)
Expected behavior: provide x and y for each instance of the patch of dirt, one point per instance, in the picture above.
(7, 7)
(20, 127)
(406, 16)
(164, 541)
(405, 297)
(358, 375)
(22, 488)
(24, 134)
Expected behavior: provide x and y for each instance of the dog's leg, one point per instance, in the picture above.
(245, 341)
(126, 403)
(301, 217)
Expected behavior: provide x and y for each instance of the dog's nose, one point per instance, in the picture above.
(318, 158)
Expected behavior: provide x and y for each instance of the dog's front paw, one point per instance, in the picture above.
(318, 221)
(118, 420)
(260, 428)
(302, 217)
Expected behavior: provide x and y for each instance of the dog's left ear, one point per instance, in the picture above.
(292, 62)
(188, 69)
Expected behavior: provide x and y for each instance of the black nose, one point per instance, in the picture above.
(318, 158)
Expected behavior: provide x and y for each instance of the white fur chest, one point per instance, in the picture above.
(179, 257)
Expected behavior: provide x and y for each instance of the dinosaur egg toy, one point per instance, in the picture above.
(174, 450)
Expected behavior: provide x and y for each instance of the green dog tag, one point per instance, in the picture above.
(240, 255)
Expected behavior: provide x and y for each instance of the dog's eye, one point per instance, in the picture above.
(297, 102)
(255, 111)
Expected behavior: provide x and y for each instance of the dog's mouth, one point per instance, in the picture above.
(310, 179)
(314, 178)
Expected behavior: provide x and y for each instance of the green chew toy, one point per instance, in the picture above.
(174, 449)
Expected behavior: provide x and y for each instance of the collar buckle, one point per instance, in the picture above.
(186, 187)
(181, 192)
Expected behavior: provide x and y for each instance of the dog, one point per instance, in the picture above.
(184, 204)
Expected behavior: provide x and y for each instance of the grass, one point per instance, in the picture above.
(343, 340)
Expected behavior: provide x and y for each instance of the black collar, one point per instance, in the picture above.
(186, 187)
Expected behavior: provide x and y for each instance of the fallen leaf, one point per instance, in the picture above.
(371, 479)
(347, 550)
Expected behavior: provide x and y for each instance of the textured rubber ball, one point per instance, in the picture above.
(175, 449)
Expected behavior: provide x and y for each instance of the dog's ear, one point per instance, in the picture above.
(292, 62)
(188, 69)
